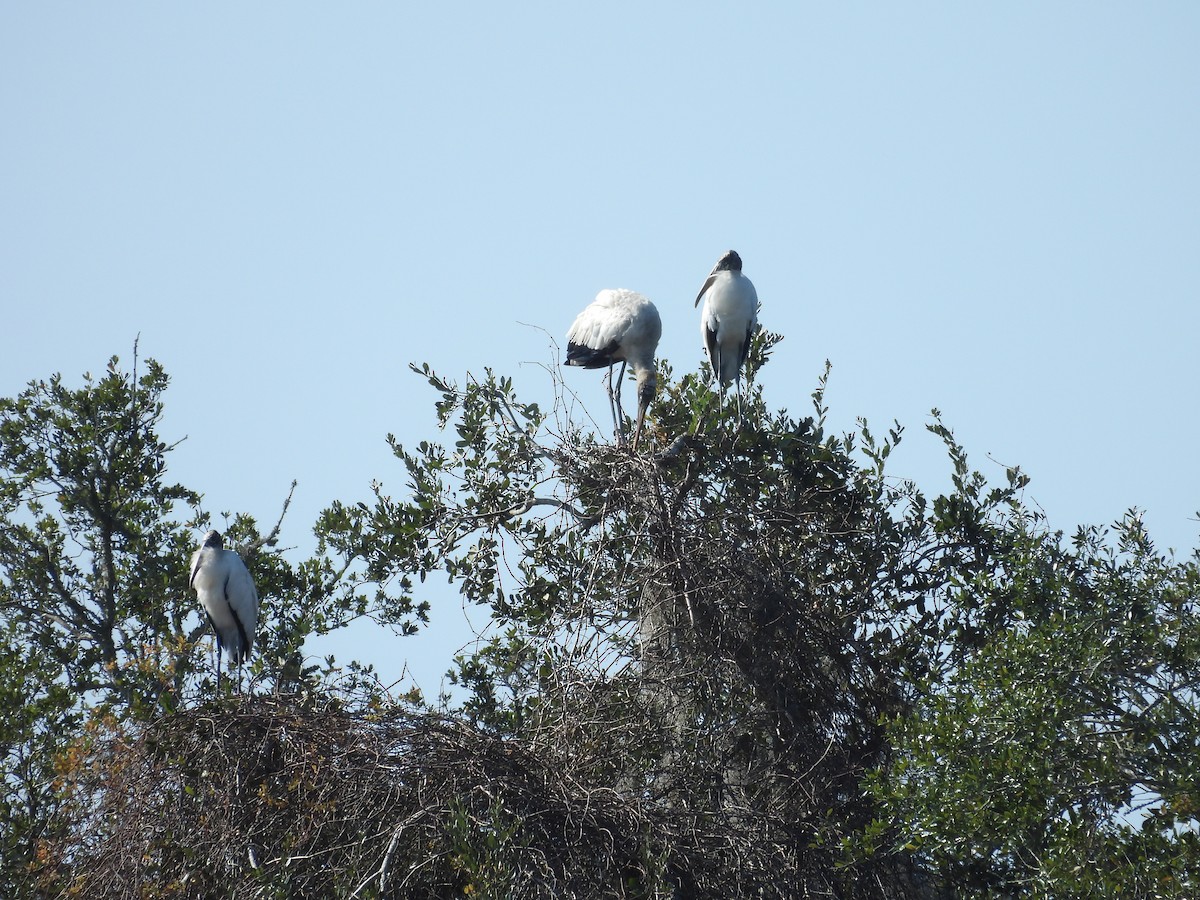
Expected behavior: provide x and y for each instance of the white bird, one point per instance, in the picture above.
(226, 592)
(728, 321)
(619, 326)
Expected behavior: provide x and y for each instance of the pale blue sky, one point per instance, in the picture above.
(991, 209)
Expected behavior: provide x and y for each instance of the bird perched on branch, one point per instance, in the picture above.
(226, 592)
(619, 326)
(728, 322)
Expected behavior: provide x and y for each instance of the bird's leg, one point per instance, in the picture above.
(738, 386)
(620, 412)
(218, 670)
(612, 408)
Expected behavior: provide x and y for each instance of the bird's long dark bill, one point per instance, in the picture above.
(641, 420)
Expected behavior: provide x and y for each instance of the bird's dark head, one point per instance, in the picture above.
(730, 262)
(647, 387)
(213, 539)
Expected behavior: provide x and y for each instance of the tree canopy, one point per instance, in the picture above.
(737, 663)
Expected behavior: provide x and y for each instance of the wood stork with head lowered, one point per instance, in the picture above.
(226, 592)
(728, 321)
(619, 326)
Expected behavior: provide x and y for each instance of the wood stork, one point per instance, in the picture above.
(728, 321)
(619, 326)
(226, 592)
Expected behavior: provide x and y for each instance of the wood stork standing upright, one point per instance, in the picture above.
(727, 322)
(226, 592)
(619, 326)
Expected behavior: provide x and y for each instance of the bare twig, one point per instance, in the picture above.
(271, 539)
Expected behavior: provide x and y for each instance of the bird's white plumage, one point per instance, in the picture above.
(226, 592)
(619, 326)
(728, 321)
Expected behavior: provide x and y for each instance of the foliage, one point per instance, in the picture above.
(91, 587)
(741, 663)
(97, 618)
(87, 552)
(1055, 755)
(719, 628)
(758, 630)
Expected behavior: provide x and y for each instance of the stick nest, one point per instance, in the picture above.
(266, 797)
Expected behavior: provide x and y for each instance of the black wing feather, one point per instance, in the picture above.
(590, 357)
(245, 647)
(714, 351)
(746, 346)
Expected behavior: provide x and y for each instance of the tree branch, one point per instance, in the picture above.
(270, 540)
